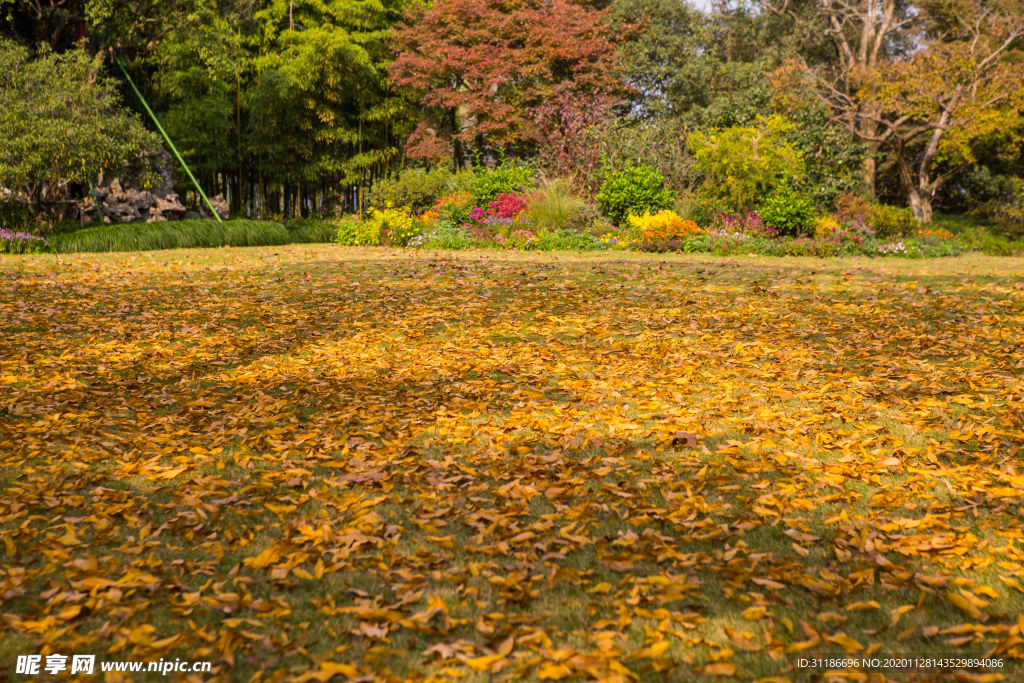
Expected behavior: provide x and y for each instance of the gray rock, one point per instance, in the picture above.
(220, 205)
(121, 204)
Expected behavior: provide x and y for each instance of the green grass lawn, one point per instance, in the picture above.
(305, 462)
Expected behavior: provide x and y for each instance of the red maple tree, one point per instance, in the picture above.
(481, 68)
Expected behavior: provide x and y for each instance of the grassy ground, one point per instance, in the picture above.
(302, 462)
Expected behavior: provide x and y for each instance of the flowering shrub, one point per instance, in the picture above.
(746, 223)
(486, 224)
(392, 227)
(12, 242)
(825, 226)
(454, 207)
(851, 207)
(429, 216)
(664, 225)
(507, 205)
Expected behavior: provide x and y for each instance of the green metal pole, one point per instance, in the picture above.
(96, 201)
(167, 138)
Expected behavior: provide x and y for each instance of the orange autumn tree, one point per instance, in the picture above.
(482, 68)
(931, 107)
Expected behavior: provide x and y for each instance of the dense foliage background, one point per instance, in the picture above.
(290, 107)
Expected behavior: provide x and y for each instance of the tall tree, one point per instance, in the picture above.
(863, 33)
(60, 125)
(482, 67)
(933, 106)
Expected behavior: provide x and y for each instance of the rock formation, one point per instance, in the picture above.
(121, 204)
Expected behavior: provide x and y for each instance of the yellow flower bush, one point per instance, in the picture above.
(392, 226)
(664, 225)
(825, 226)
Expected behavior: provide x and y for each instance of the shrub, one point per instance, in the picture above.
(508, 205)
(633, 190)
(745, 163)
(788, 212)
(663, 226)
(749, 223)
(61, 123)
(555, 207)
(353, 232)
(890, 221)
(454, 208)
(825, 226)
(15, 215)
(416, 188)
(485, 224)
(487, 183)
(852, 208)
(310, 231)
(1009, 212)
(391, 226)
(702, 209)
(12, 242)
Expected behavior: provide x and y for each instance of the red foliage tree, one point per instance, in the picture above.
(481, 68)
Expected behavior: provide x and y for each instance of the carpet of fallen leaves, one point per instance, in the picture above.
(313, 463)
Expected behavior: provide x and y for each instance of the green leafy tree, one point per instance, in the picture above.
(332, 60)
(745, 163)
(703, 69)
(60, 125)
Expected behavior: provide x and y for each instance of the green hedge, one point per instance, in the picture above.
(311, 231)
(171, 235)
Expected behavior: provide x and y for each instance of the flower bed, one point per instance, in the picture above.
(13, 242)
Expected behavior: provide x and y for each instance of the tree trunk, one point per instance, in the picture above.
(868, 129)
(460, 159)
(921, 205)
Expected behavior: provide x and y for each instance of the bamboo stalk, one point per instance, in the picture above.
(167, 138)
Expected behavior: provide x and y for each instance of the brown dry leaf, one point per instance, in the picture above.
(688, 439)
